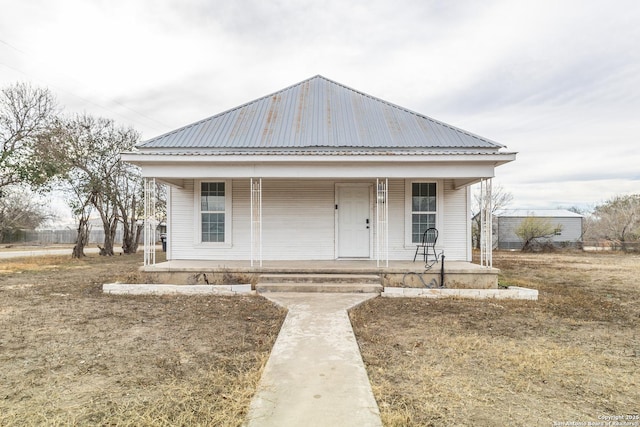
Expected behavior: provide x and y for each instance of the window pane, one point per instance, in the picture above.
(415, 204)
(423, 189)
(420, 222)
(423, 197)
(430, 203)
(213, 227)
(212, 196)
(415, 189)
(423, 204)
(212, 203)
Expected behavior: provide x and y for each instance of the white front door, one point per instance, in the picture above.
(354, 221)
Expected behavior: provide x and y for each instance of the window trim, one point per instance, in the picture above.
(408, 220)
(228, 214)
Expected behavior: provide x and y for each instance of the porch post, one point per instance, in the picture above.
(256, 221)
(150, 221)
(382, 223)
(486, 224)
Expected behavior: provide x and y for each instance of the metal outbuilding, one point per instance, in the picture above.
(568, 225)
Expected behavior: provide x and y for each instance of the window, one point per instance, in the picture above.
(212, 211)
(423, 208)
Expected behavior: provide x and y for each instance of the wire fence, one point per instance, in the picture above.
(54, 237)
(611, 245)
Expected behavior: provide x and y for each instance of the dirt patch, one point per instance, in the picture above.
(71, 355)
(573, 355)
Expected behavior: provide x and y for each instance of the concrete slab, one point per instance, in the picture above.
(315, 375)
(349, 288)
(163, 289)
(513, 292)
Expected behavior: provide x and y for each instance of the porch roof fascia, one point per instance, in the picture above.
(142, 159)
(462, 173)
(463, 167)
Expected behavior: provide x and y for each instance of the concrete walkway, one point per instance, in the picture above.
(315, 375)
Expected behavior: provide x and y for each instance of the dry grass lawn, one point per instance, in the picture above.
(573, 356)
(70, 355)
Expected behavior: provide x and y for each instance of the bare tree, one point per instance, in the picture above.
(619, 219)
(131, 205)
(26, 115)
(90, 149)
(534, 229)
(19, 210)
(500, 199)
(80, 204)
(129, 201)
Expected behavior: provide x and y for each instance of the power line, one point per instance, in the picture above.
(85, 100)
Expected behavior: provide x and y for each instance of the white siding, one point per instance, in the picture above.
(299, 222)
(455, 233)
(397, 222)
(181, 236)
(298, 219)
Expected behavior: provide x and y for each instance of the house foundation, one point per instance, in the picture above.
(407, 274)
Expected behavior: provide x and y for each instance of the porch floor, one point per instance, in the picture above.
(329, 267)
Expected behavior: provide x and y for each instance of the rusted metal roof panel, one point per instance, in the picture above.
(319, 113)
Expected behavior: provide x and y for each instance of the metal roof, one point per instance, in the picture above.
(319, 152)
(319, 113)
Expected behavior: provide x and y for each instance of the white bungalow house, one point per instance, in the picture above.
(317, 171)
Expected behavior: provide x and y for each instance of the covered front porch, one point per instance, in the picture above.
(317, 219)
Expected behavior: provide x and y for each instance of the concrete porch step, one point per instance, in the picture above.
(318, 278)
(320, 287)
(318, 282)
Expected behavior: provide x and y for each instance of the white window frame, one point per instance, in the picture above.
(408, 220)
(228, 214)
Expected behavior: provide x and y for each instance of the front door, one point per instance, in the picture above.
(353, 221)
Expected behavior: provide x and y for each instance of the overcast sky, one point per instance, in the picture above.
(557, 81)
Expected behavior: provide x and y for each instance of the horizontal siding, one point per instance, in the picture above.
(455, 234)
(397, 248)
(299, 222)
(183, 216)
(182, 236)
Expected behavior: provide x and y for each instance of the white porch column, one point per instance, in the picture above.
(382, 223)
(256, 222)
(486, 224)
(150, 221)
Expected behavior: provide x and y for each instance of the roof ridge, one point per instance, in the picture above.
(381, 101)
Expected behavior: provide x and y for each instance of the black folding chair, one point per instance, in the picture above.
(428, 245)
